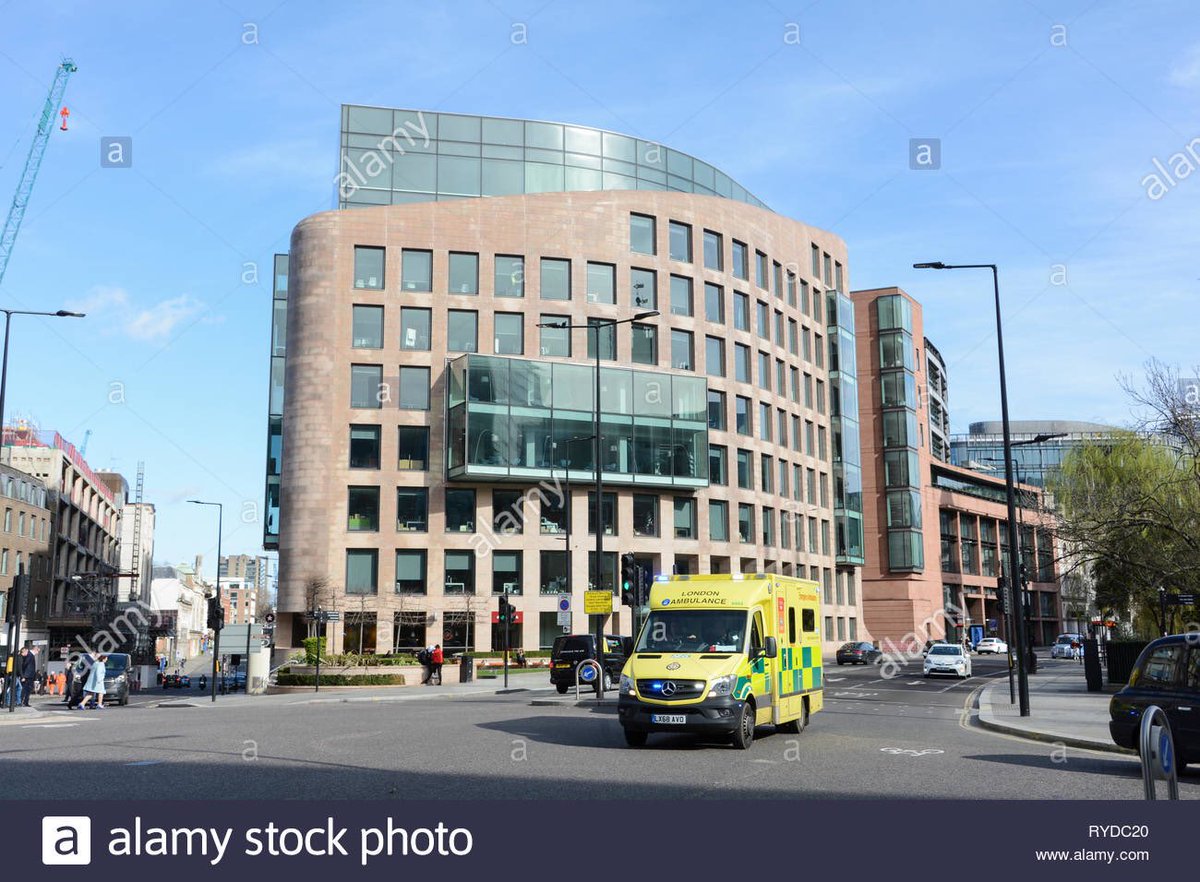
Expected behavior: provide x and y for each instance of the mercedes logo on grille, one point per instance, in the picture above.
(669, 688)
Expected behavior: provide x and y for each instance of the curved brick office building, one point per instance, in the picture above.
(431, 436)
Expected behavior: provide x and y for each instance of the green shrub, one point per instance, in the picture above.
(313, 646)
(341, 680)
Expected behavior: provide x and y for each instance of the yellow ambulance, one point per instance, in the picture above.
(720, 654)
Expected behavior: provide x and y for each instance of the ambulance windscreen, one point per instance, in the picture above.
(694, 630)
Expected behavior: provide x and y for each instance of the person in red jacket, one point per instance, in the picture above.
(436, 664)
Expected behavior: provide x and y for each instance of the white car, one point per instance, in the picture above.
(991, 645)
(947, 658)
(1062, 646)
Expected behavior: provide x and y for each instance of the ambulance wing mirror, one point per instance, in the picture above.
(771, 650)
(627, 645)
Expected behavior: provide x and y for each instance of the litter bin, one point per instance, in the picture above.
(466, 669)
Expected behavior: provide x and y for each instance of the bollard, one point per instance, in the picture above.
(1156, 747)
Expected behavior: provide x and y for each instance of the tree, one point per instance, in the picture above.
(318, 592)
(1131, 506)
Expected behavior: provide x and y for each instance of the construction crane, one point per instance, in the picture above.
(83, 447)
(33, 162)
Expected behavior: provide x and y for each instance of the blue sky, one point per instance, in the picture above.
(1050, 116)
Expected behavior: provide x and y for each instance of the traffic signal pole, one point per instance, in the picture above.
(507, 614)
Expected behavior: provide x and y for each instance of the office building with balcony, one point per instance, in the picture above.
(936, 533)
(431, 421)
(25, 542)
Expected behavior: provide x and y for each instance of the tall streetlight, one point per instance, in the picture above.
(595, 325)
(1009, 490)
(17, 596)
(217, 631)
(8, 314)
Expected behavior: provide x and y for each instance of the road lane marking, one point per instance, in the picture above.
(903, 751)
(49, 726)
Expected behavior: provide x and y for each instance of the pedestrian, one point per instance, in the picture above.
(425, 660)
(70, 682)
(94, 686)
(437, 658)
(27, 672)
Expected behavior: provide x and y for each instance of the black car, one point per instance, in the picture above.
(176, 681)
(570, 649)
(1167, 674)
(858, 653)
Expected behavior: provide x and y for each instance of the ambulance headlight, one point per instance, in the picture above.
(626, 687)
(722, 686)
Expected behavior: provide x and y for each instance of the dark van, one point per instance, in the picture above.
(1167, 674)
(570, 649)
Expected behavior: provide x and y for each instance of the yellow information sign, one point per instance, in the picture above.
(597, 603)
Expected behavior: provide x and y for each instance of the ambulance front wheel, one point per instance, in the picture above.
(743, 735)
(635, 739)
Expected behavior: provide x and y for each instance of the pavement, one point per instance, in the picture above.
(1061, 710)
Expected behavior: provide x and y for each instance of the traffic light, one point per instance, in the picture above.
(1024, 576)
(506, 611)
(216, 615)
(630, 571)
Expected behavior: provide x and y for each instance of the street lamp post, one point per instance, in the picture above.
(217, 631)
(1010, 491)
(16, 595)
(595, 325)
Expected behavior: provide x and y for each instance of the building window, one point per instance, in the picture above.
(713, 251)
(685, 517)
(413, 450)
(746, 524)
(779, 329)
(464, 273)
(816, 261)
(555, 341)
(508, 277)
(768, 473)
(768, 527)
(608, 512)
(362, 571)
(555, 513)
(508, 513)
(645, 515)
(362, 509)
(717, 465)
(643, 288)
(415, 328)
(745, 470)
(364, 446)
(366, 386)
(716, 410)
(460, 572)
(414, 388)
(605, 336)
(714, 303)
(410, 572)
(682, 354)
(741, 362)
(714, 356)
(506, 572)
(718, 520)
(760, 269)
(681, 295)
(367, 327)
(368, 267)
(741, 416)
(556, 279)
(763, 313)
(777, 270)
(741, 266)
(601, 283)
(460, 511)
(412, 509)
(764, 371)
(462, 331)
(642, 234)
(416, 270)
(741, 311)
(764, 422)
(645, 344)
(510, 333)
(553, 577)
(680, 241)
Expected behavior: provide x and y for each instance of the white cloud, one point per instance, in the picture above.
(115, 312)
(1186, 73)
